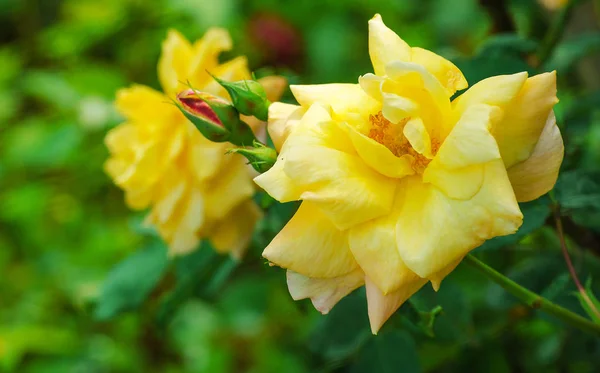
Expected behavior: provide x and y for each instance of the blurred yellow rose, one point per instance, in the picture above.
(553, 4)
(398, 182)
(193, 189)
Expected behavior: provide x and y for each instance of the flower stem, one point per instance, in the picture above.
(532, 299)
(565, 251)
(555, 33)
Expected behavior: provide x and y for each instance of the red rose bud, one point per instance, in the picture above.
(214, 117)
(261, 157)
(248, 97)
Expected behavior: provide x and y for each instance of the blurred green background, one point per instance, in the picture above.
(85, 288)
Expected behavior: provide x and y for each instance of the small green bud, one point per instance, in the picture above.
(261, 157)
(248, 96)
(214, 117)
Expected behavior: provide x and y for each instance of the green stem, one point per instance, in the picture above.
(532, 299)
(555, 33)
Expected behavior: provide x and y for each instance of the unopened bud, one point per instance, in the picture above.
(248, 97)
(214, 117)
(260, 157)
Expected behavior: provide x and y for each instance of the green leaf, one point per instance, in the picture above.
(535, 214)
(588, 309)
(572, 51)
(131, 281)
(202, 272)
(390, 352)
(343, 330)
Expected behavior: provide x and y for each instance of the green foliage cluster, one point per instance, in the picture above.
(85, 287)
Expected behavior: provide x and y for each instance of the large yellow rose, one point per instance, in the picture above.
(193, 189)
(398, 182)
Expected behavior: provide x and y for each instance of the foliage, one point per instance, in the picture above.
(85, 287)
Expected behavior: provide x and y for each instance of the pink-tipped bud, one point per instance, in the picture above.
(214, 117)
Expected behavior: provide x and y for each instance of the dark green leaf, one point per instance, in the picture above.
(390, 352)
(131, 281)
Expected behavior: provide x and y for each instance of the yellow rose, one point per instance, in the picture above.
(193, 189)
(398, 182)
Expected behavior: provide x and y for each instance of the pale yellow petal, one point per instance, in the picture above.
(519, 130)
(458, 167)
(437, 278)
(277, 183)
(346, 189)
(385, 45)
(233, 233)
(378, 157)
(416, 133)
(375, 249)
(537, 175)
(470, 141)
(174, 62)
(396, 108)
(445, 71)
(497, 91)
(434, 230)
(311, 245)
(372, 85)
(323, 292)
(283, 118)
(344, 99)
(382, 307)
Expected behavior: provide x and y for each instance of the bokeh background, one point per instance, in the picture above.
(85, 288)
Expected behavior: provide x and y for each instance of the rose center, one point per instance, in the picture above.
(392, 137)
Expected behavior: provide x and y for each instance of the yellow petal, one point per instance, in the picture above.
(323, 292)
(277, 183)
(283, 118)
(459, 183)
(206, 158)
(445, 71)
(346, 189)
(274, 86)
(145, 106)
(470, 141)
(378, 157)
(185, 223)
(436, 278)
(416, 133)
(537, 175)
(372, 85)
(385, 45)
(519, 130)
(381, 306)
(434, 231)
(375, 249)
(395, 108)
(229, 189)
(497, 91)
(205, 58)
(311, 245)
(458, 167)
(344, 99)
(174, 62)
(233, 233)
